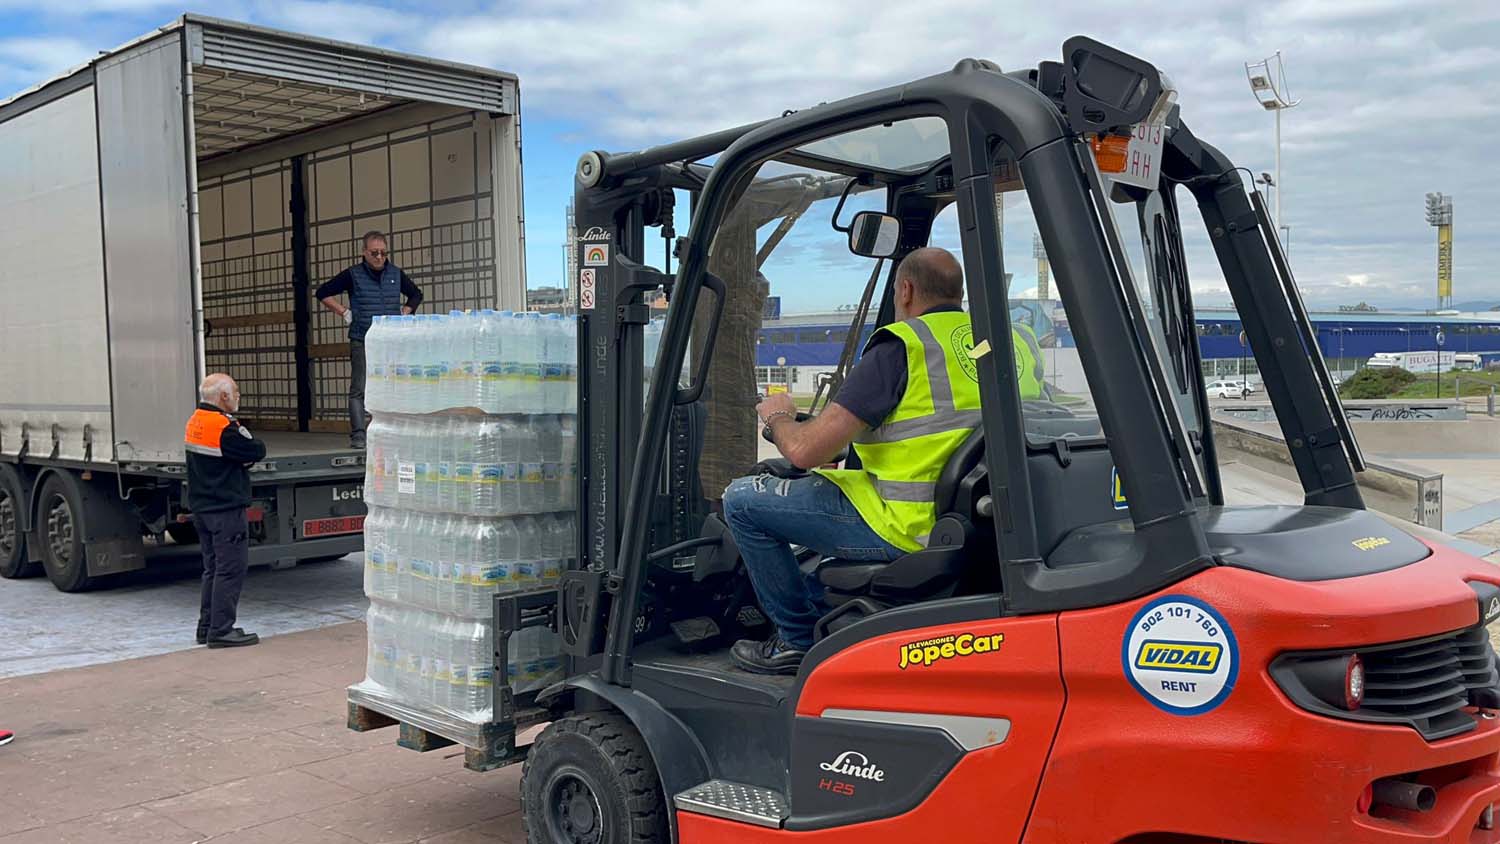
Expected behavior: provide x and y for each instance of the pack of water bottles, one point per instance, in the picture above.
(471, 470)
(495, 361)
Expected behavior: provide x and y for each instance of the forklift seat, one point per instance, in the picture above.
(931, 572)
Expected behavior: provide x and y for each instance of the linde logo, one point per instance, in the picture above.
(852, 763)
(348, 493)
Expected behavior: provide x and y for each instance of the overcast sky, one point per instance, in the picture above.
(1397, 98)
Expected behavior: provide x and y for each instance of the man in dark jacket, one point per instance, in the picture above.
(375, 287)
(219, 455)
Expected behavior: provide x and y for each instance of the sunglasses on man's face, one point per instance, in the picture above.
(377, 253)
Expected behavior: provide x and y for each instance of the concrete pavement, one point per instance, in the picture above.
(156, 611)
(243, 746)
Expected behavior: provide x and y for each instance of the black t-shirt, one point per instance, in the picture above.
(876, 383)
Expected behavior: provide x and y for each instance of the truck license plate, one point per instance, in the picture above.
(334, 526)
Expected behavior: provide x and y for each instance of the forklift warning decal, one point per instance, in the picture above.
(1181, 655)
(1117, 490)
(929, 651)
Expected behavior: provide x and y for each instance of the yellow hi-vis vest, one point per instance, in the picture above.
(903, 458)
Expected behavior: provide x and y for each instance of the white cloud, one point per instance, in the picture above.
(25, 61)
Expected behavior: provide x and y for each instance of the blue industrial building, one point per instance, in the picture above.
(793, 349)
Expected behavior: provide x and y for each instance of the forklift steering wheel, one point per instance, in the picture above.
(765, 433)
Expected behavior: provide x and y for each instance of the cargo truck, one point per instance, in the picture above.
(166, 210)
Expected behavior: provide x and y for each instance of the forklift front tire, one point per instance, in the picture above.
(589, 779)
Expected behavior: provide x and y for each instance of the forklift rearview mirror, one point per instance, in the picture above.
(874, 235)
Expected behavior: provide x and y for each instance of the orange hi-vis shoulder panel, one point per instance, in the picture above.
(204, 428)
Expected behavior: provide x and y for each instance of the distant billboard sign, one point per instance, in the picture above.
(772, 309)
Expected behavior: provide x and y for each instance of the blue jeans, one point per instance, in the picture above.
(767, 514)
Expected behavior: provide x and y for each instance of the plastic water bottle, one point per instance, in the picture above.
(488, 473)
(568, 460)
(548, 433)
(488, 369)
(550, 345)
(507, 556)
(527, 571)
(464, 434)
(374, 367)
(529, 486)
(509, 357)
(529, 399)
(405, 368)
(549, 567)
(446, 530)
(570, 366)
(471, 644)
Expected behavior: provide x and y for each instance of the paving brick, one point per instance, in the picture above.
(379, 769)
(249, 757)
(61, 791)
(133, 825)
(252, 801)
(412, 812)
(502, 830)
(285, 831)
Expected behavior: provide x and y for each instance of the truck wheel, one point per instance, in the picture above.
(13, 562)
(60, 526)
(589, 779)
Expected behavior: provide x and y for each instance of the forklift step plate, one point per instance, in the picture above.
(735, 802)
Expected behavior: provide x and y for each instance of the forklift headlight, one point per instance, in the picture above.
(1337, 680)
(1354, 682)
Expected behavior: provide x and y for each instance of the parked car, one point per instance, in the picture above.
(1226, 389)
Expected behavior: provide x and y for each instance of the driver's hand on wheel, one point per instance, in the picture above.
(780, 403)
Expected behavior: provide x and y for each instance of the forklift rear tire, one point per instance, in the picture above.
(589, 779)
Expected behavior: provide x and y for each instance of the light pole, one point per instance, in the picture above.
(1268, 84)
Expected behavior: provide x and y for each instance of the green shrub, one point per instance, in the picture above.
(1376, 383)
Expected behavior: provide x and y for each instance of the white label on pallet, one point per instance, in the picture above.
(406, 479)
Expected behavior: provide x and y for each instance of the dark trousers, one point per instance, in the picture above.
(224, 537)
(356, 387)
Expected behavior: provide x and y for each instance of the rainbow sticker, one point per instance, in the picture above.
(596, 254)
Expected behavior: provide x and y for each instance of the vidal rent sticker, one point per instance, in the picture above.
(1181, 655)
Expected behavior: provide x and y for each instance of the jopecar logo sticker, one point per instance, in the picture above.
(928, 651)
(1181, 655)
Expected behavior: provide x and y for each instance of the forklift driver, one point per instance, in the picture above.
(905, 407)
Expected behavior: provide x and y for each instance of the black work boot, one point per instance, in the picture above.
(203, 634)
(773, 656)
(357, 439)
(235, 638)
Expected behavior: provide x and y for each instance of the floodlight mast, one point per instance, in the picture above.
(1268, 83)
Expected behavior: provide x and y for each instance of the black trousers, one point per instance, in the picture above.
(356, 387)
(224, 537)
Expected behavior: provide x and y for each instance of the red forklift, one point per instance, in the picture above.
(1092, 647)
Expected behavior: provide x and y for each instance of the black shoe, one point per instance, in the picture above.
(773, 656)
(203, 635)
(357, 440)
(235, 638)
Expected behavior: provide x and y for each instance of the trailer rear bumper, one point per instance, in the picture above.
(286, 554)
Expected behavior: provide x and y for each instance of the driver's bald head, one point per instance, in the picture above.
(934, 274)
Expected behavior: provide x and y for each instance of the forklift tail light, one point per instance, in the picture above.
(1110, 152)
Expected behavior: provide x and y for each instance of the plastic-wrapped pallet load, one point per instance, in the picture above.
(470, 479)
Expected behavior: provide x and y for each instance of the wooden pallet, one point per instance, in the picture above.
(499, 741)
